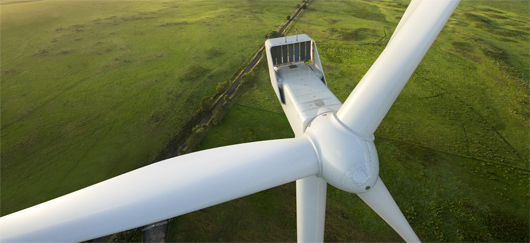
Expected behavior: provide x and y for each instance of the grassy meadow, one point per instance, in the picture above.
(93, 89)
(453, 150)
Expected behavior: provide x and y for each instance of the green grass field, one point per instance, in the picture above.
(453, 150)
(93, 89)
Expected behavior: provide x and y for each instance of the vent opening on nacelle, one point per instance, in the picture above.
(293, 52)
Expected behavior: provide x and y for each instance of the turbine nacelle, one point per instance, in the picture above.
(347, 160)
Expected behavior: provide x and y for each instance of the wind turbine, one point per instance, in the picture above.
(333, 144)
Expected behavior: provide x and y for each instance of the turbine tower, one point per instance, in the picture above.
(333, 144)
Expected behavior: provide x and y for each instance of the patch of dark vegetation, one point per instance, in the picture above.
(516, 24)
(174, 96)
(496, 53)
(214, 52)
(331, 21)
(522, 109)
(40, 52)
(222, 87)
(9, 71)
(396, 4)
(132, 18)
(499, 126)
(63, 52)
(434, 96)
(138, 33)
(506, 227)
(458, 57)
(272, 34)
(462, 23)
(193, 72)
(207, 103)
(330, 67)
(365, 11)
(195, 138)
(155, 118)
(496, 30)
(168, 24)
(427, 156)
(496, 16)
(508, 40)
(478, 18)
(331, 53)
(118, 59)
(490, 10)
(463, 46)
(487, 24)
(504, 60)
(15, 2)
(467, 50)
(357, 34)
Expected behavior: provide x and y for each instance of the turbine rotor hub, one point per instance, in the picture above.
(347, 160)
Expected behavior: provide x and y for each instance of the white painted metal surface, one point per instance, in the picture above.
(306, 96)
(349, 162)
(310, 209)
(166, 189)
(365, 108)
(410, 9)
(380, 200)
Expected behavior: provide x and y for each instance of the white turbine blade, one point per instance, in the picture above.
(310, 209)
(380, 200)
(162, 190)
(366, 106)
(410, 9)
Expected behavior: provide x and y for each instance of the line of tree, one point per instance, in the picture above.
(199, 132)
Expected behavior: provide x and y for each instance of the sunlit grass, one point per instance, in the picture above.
(93, 89)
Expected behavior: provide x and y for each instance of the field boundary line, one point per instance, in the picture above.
(477, 113)
(459, 155)
(260, 109)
